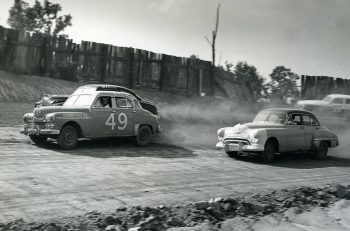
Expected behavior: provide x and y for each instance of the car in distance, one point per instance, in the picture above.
(335, 103)
(278, 130)
(90, 113)
(51, 100)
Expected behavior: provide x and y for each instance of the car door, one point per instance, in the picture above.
(295, 132)
(124, 116)
(102, 118)
(309, 131)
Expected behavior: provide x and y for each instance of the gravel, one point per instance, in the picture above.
(202, 215)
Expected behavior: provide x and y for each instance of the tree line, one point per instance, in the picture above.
(282, 82)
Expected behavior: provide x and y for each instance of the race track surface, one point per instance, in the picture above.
(39, 183)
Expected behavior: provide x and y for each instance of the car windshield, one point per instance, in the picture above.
(79, 100)
(327, 98)
(271, 117)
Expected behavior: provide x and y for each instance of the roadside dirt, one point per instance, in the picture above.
(304, 208)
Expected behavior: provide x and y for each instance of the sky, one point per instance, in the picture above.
(310, 37)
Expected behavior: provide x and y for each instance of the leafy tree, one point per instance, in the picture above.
(246, 72)
(41, 17)
(283, 83)
(17, 19)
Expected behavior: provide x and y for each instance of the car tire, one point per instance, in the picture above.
(320, 153)
(68, 137)
(38, 139)
(232, 154)
(268, 155)
(144, 136)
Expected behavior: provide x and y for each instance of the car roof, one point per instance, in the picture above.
(287, 110)
(111, 87)
(58, 96)
(113, 94)
(340, 95)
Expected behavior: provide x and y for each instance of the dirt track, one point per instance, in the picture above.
(39, 183)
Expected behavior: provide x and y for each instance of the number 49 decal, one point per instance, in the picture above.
(122, 121)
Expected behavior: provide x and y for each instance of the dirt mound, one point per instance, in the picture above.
(22, 88)
(210, 215)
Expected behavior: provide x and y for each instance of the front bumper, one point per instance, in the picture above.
(240, 147)
(33, 129)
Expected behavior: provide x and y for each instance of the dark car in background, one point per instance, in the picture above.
(51, 100)
(144, 103)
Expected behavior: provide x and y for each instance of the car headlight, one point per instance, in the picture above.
(254, 136)
(27, 117)
(221, 133)
(255, 140)
(50, 117)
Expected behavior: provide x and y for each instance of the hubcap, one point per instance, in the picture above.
(69, 137)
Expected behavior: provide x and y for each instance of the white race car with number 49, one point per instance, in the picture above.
(275, 131)
(91, 113)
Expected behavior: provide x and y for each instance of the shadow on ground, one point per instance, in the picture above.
(299, 161)
(122, 147)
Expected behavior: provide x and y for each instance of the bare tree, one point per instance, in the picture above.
(214, 33)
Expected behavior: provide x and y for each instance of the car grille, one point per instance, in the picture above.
(236, 141)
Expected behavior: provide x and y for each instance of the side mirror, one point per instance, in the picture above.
(313, 123)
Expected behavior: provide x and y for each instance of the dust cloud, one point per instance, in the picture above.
(195, 122)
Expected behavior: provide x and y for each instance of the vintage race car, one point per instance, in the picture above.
(278, 130)
(91, 113)
(338, 104)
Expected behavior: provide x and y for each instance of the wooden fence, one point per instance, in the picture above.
(317, 87)
(90, 62)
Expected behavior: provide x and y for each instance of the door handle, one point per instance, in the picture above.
(114, 111)
(133, 111)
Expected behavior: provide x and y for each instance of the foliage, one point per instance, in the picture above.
(66, 71)
(248, 73)
(17, 18)
(41, 17)
(283, 83)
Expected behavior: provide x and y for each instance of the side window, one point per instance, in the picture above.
(295, 118)
(307, 120)
(104, 102)
(347, 101)
(123, 103)
(337, 100)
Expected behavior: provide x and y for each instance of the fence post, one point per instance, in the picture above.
(103, 62)
(162, 78)
(131, 67)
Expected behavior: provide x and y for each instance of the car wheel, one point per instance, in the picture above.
(268, 155)
(232, 154)
(143, 137)
(68, 137)
(38, 139)
(321, 151)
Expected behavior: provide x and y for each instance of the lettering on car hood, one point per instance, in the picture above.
(42, 111)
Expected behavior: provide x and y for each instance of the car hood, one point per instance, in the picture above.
(42, 111)
(248, 129)
(313, 102)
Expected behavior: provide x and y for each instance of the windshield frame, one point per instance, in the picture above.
(92, 98)
(268, 114)
(328, 98)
